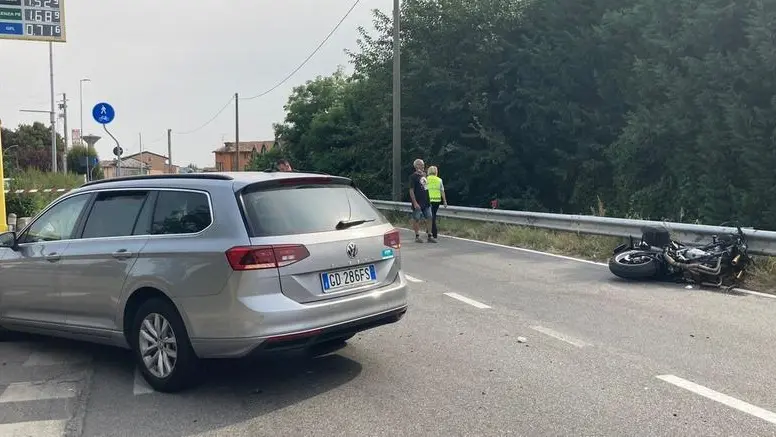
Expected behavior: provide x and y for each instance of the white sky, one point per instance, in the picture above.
(173, 64)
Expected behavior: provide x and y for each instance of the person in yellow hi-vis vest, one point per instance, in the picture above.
(436, 193)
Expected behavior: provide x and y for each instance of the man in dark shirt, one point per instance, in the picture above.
(421, 204)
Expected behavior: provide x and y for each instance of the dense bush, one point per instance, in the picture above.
(29, 204)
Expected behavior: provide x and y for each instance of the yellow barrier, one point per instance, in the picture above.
(3, 224)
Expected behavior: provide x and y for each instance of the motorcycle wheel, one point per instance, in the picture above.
(634, 264)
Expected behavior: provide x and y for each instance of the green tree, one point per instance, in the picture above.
(33, 146)
(658, 109)
(76, 162)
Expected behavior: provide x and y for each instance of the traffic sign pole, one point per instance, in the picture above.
(104, 114)
(54, 167)
(3, 224)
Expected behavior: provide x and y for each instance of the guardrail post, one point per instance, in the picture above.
(11, 222)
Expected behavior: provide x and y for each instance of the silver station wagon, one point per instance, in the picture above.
(214, 265)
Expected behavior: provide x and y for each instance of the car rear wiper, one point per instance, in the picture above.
(344, 224)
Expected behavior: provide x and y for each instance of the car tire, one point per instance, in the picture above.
(177, 368)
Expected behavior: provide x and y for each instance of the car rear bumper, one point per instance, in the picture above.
(274, 322)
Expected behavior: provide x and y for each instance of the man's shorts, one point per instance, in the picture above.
(423, 212)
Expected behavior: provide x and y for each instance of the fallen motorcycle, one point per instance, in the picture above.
(723, 262)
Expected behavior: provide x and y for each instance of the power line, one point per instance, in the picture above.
(159, 138)
(309, 57)
(289, 76)
(209, 121)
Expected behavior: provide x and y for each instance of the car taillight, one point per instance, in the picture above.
(392, 239)
(265, 257)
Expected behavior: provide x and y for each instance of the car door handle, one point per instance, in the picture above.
(53, 257)
(122, 254)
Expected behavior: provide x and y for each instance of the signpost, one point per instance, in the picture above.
(104, 114)
(36, 20)
(3, 224)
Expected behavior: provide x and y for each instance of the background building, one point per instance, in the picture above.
(226, 156)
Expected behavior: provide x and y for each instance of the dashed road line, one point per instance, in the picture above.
(412, 278)
(560, 336)
(465, 299)
(140, 386)
(722, 398)
(38, 391)
(39, 428)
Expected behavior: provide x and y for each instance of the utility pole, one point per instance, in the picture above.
(396, 103)
(63, 107)
(169, 150)
(54, 167)
(237, 129)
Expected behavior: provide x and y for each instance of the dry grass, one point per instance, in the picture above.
(762, 277)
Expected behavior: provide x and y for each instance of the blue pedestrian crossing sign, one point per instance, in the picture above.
(103, 113)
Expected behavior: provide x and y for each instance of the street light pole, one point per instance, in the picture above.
(396, 103)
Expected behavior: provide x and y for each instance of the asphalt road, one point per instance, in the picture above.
(497, 342)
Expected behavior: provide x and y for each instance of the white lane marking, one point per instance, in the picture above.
(755, 293)
(39, 428)
(522, 249)
(560, 336)
(55, 357)
(29, 391)
(412, 278)
(570, 258)
(464, 299)
(722, 398)
(141, 387)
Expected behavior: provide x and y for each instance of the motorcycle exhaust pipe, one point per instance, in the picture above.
(697, 268)
(736, 260)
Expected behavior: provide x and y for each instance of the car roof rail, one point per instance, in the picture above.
(176, 176)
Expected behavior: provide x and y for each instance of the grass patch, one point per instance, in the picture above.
(761, 277)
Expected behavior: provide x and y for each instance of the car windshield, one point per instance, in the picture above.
(306, 209)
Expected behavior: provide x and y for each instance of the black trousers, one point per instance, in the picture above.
(434, 209)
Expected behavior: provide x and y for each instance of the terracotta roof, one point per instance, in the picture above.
(145, 152)
(246, 146)
(125, 162)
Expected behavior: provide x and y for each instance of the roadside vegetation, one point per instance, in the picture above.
(590, 247)
(29, 204)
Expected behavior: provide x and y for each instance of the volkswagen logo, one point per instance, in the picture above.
(352, 250)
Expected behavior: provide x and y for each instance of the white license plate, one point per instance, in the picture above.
(348, 278)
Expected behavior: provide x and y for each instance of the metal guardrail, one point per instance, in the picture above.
(760, 242)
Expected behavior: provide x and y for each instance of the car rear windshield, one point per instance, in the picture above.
(305, 209)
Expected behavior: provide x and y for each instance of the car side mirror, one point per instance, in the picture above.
(8, 239)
